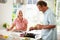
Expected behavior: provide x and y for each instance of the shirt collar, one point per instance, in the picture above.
(46, 11)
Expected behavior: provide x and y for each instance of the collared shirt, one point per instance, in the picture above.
(49, 19)
(20, 25)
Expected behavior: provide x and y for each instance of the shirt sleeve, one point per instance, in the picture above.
(51, 19)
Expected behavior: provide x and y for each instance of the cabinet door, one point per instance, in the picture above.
(3, 1)
(20, 1)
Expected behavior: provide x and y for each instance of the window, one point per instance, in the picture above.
(58, 11)
(16, 5)
(29, 1)
(32, 1)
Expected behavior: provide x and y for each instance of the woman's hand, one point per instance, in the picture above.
(8, 29)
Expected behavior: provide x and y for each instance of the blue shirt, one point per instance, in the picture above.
(49, 19)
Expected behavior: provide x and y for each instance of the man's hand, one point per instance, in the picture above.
(39, 27)
(31, 28)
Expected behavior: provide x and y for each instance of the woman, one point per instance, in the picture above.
(19, 23)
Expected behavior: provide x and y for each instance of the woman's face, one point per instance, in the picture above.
(20, 15)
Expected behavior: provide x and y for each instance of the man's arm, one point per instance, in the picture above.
(38, 26)
(48, 26)
(51, 20)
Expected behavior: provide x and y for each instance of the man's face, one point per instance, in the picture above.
(40, 8)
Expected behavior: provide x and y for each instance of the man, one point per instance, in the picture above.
(19, 23)
(49, 27)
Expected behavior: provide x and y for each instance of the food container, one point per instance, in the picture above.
(22, 35)
(5, 36)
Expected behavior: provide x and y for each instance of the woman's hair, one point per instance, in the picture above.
(17, 12)
(42, 3)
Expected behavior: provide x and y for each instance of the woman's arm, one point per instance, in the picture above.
(25, 27)
(11, 27)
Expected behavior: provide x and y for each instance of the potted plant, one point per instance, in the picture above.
(5, 25)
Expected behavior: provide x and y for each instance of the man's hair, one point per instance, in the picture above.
(42, 3)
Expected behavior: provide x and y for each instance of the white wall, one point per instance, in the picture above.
(5, 12)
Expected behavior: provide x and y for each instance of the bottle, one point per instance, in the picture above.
(5, 36)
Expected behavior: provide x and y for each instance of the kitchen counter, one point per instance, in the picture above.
(8, 35)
